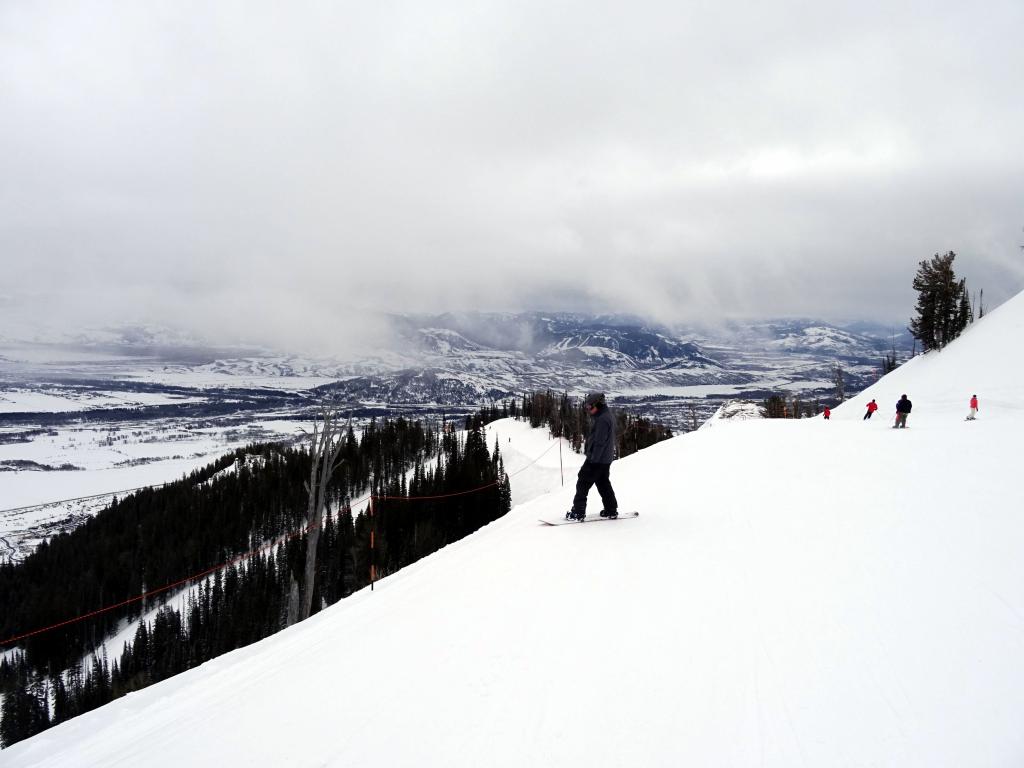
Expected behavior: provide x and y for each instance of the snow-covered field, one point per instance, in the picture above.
(18, 400)
(238, 374)
(704, 390)
(794, 593)
(106, 459)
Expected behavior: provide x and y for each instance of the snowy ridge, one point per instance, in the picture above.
(739, 410)
(817, 593)
(250, 461)
(817, 338)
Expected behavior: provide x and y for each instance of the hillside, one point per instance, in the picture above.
(794, 593)
(985, 360)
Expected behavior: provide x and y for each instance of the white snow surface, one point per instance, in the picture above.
(532, 459)
(30, 401)
(35, 504)
(737, 410)
(794, 593)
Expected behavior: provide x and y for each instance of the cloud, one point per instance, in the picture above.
(288, 172)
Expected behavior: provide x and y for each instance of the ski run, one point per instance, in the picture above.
(794, 593)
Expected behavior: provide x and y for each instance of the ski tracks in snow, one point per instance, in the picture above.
(760, 646)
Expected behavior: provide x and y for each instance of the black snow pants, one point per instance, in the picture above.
(594, 474)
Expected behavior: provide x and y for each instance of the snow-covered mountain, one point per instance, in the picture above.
(812, 337)
(467, 359)
(463, 359)
(637, 344)
(816, 593)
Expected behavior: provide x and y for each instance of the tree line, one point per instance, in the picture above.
(792, 406)
(567, 417)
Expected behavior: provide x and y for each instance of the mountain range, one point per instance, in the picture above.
(465, 359)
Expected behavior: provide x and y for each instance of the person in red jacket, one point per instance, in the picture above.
(828, 413)
(974, 408)
(872, 407)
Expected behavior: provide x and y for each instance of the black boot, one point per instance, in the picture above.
(612, 513)
(572, 514)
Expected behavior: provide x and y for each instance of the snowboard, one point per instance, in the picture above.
(589, 519)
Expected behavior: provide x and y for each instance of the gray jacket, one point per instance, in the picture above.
(600, 445)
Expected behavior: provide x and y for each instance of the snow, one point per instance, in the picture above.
(231, 374)
(54, 498)
(251, 461)
(531, 459)
(713, 390)
(738, 410)
(983, 361)
(110, 459)
(794, 593)
(113, 458)
(27, 401)
(17, 400)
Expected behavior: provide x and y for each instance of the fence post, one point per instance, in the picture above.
(373, 545)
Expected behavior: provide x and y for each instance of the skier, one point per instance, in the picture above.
(872, 407)
(974, 408)
(600, 452)
(903, 407)
(828, 413)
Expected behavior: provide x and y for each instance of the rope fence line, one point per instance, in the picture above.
(491, 484)
(259, 550)
(180, 582)
(373, 497)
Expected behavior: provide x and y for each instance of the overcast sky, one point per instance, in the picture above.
(261, 169)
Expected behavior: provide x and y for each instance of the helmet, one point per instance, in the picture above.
(595, 400)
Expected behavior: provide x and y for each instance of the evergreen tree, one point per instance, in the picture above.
(965, 315)
(25, 711)
(943, 308)
(889, 363)
(126, 547)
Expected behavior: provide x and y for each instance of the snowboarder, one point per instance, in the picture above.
(872, 407)
(600, 452)
(828, 413)
(903, 407)
(974, 408)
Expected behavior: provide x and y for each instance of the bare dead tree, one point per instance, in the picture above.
(838, 381)
(325, 443)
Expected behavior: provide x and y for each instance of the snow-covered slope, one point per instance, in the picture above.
(738, 410)
(985, 361)
(794, 593)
